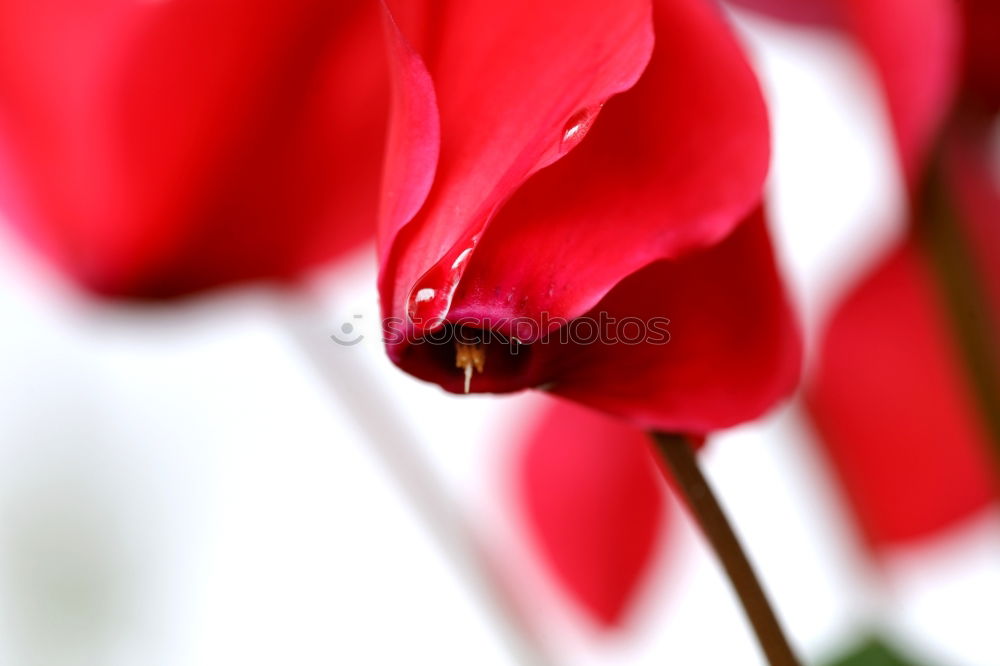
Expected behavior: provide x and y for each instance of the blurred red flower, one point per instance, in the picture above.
(150, 149)
(547, 164)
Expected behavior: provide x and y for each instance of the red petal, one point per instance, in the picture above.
(893, 408)
(673, 164)
(595, 504)
(508, 78)
(733, 347)
(166, 147)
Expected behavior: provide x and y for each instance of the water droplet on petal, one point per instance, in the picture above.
(430, 298)
(425, 294)
(577, 127)
(461, 257)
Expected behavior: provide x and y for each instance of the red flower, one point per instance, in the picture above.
(550, 164)
(151, 149)
(594, 503)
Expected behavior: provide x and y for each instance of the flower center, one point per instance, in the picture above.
(469, 357)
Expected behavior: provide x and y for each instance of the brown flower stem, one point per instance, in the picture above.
(678, 454)
(961, 288)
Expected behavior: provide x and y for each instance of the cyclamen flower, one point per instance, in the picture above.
(151, 149)
(553, 161)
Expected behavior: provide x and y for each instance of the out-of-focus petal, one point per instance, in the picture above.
(517, 85)
(894, 410)
(164, 147)
(55, 57)
(595, 504)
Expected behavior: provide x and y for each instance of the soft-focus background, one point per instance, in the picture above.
(197, 485)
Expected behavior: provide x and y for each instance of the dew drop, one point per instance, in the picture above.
(428, 305)
(460, 259)
(430, 298)
(425, 294)
(577, 127)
